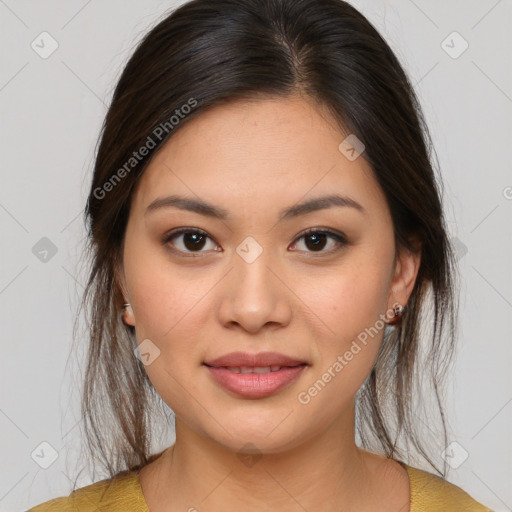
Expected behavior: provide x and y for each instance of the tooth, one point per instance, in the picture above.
(262, 369)
(234, 369)
(254, 369)
(275, 368)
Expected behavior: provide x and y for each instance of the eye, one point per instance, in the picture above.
(315, 240)
(193, 240)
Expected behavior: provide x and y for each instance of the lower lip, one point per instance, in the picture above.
(255, 385)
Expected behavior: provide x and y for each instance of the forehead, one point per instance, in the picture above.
(257, 154)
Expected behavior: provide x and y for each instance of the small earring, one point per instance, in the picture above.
(126, 305)
(397, 315)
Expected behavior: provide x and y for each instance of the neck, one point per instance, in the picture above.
(320, 474)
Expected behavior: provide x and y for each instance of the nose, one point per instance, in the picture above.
(256, 294)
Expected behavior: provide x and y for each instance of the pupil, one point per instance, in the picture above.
(317, 240)
(196, 237)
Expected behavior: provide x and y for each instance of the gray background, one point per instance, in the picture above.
(51, 111)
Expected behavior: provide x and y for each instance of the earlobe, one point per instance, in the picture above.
(127, 311)
(128, 317)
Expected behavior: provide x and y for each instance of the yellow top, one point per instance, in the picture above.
(123, 493)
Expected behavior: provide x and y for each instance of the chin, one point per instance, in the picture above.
(251, 440)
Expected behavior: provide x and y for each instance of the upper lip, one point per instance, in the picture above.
(263, 359)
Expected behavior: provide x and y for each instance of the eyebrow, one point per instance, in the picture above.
(209, 210)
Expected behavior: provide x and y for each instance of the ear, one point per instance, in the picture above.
(407, 264)
(127, 312)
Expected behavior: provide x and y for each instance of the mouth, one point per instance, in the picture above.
(253, 382)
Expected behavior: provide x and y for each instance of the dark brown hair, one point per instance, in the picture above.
(206, 53)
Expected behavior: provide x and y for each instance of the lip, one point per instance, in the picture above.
(259, 359)
(255, 385)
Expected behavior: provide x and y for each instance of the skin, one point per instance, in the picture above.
(254, 158)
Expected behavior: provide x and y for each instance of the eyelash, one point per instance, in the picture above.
(338, 237)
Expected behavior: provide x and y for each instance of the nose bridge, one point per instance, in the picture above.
(252, 274)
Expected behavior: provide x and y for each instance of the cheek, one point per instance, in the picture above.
(163, 295)
(166, 307)
(351, 297)
(348, 306)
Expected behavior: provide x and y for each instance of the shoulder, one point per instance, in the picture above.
(432, 493)
(119, 493)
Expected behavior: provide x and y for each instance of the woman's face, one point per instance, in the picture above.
(251, 281)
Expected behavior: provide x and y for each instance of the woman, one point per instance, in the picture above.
(267, 244)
